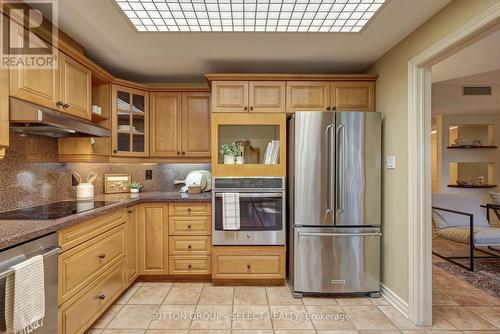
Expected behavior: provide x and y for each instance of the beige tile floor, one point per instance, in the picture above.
(200, 308)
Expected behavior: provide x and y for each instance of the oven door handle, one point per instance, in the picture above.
(244, 195)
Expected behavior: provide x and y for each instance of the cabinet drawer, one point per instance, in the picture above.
(80, 312)
(81, 265)
(77, 234)
(186, 245)
(189, 265)
(252, 262)
(190, 225)
(189, 209)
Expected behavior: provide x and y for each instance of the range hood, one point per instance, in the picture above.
(30, 118)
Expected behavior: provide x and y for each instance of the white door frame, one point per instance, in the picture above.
(419, 163)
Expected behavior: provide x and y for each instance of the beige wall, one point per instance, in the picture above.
(392, 102)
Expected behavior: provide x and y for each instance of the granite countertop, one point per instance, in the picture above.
(13, 232)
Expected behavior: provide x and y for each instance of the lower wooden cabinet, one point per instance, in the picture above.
(189, 265)
(132, 245)
(153, 239)
(83, 309)
(248, 262)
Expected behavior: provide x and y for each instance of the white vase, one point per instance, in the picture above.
(228, 159)
(240, 160)
(134, 191)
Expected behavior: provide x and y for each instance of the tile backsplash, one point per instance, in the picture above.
(24, 183)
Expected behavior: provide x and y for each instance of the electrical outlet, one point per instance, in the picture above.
(390, 162)
(149, 174)
(74, 181)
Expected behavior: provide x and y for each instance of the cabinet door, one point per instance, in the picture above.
(130, 122)
(132, 245)
(267, 96)
(353, 96)
(153, 239)
(165, 124)
(75, 87)
(38, 86)
(229, 96)
(195, 124)
(307, 96)
(4, 110)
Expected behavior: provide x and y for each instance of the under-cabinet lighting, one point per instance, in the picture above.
(250, 15)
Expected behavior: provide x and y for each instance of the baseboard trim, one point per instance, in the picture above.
(395, 300)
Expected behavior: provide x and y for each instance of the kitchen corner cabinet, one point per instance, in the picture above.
(153, 239)
(66, 88)
(180, 125)
(335, 95)
(132, 245)
(130, 122)
(248, 96)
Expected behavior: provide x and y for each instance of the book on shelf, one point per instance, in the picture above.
(271, 156)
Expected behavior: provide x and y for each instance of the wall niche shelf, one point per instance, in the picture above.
(472, 186)
(471, 146)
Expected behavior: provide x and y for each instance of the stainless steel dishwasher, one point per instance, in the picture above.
(47, 247)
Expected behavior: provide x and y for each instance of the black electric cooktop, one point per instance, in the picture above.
(52, 211)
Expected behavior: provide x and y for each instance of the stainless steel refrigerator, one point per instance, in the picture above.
(334, 202)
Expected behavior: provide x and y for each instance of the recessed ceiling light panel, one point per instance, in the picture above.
(250, 15)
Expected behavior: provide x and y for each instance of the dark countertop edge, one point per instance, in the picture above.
(59, 224)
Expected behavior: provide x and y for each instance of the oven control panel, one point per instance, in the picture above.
(249, 183)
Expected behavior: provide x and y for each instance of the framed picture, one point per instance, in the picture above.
(113, 183)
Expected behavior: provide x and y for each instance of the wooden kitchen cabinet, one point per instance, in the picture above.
(75, 88)
(307, 96)
(129, 122)
(229, 96)
(4, 111)
(353, 96)
(153, 239)
(267, 96)
(165, 124)
(248, 96)
(132, 245)
(38, 86)
(180, 125)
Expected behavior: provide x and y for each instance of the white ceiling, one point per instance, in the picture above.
(478, 58)
(111, 41)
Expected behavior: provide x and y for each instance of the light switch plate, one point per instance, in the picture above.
(390, 162)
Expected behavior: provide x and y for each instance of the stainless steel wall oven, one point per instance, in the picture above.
(262, 205)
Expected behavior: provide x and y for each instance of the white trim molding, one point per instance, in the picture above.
(395, 300)
(419, 167)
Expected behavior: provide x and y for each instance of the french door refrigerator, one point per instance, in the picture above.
(334, 202)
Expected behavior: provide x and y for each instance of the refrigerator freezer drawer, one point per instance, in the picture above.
(333, 261)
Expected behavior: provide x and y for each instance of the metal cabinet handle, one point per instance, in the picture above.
(102, 297)
(328, 108)
(59, 103)
(189, 226)
(130, 211)
(334, 108)
(102, 256)
(189, 266)
(251, 107)
(189, 209)
(189, 246)
(183, 153)
(249, 266)
(115, 151)
(65, 106)
(246, 108)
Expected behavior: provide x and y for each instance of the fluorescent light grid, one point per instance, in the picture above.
(250, 15)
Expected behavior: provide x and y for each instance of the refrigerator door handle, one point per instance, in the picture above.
(339, 171)
(330, 161)
(310, 234)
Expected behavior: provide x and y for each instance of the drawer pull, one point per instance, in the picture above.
(249, 267)
(189, 226)
(102, 297)
(130, 211)
(102, 256)
(189, 266)
(189, 246)
(189, 209)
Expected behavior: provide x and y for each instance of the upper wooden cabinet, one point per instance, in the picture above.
(67, 88)
(75, 87)
(130, 122)
(335, 95)
(353, 96)
(165, 124)
(308, 96)
(248, 96)
(180, 124)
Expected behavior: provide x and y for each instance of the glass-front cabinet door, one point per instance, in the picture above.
(130, 122)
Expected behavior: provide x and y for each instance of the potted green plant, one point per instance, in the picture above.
(133, 186)
(230, 152)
